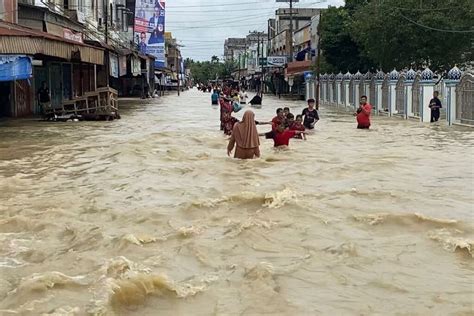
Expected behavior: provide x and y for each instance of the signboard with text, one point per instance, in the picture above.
(276, 61)
(70, 35)
(150, 29)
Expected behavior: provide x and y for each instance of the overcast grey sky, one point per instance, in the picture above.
(203, 25)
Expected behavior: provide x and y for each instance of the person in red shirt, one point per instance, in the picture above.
(363, 113)
(282, 136)
(279, 119)
(298, 126)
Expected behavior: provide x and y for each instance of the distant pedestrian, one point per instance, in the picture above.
(243, 96)
(363, 113)
(435, 105)
(215, 97)
(310, 115)
(245, 138)
(44, 98)
(256, 100)
(142, 45)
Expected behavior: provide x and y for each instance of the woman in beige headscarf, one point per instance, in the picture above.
(245, 138)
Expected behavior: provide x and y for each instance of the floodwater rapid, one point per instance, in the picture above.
(148, 216)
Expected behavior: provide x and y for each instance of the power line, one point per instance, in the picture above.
(420, 9)
(214, 5)
(436, 29)
(226, 19)
(212, 27)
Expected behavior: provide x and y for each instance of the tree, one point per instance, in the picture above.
(227, 68)
(404, 33)
(209, 70)
(340, 52)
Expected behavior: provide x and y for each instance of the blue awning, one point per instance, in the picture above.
(15, 67)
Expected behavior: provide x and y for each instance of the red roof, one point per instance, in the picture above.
(298, 67)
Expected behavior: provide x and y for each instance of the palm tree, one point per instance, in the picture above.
(214, 59)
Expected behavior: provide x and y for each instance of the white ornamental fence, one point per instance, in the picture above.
(402, 94)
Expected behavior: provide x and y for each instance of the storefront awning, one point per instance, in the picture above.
(15, 67)
(298, 67)
(15, 39)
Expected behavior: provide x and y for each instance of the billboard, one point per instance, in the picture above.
(150, 29)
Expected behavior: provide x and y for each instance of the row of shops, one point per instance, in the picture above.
(71, 68)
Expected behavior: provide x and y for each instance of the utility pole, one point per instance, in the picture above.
(107, 56)
(318, 61)
(106, 18)
(263, 70)
(259, 64)
(291, 30)
(177, 67)
(239, 68)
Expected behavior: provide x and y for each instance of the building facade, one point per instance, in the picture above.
(89, 44)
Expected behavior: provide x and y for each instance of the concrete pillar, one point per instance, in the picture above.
(392, 97)
(357, 83)
(379, 78)
(392, 84)
(378, 96)
(454, 76)
(408, 97)
(451, 101)
(339, 92)
(330, 88)
(427, 88)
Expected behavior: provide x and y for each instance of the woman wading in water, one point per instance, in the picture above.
(245, 138)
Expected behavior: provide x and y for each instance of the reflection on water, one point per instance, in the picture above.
(148, 215)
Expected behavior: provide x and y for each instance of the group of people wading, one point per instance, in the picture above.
(244, 137)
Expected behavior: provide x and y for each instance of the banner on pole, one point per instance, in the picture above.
(150, 29)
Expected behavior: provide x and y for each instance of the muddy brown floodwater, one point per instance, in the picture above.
(148, 216)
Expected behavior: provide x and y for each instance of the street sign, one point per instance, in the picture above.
(276, 61)
(262, 61)
(308, 75)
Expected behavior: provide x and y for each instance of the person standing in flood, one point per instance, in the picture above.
(435, 105)
(363, 113)
(44, 98)
(310, 115)
(245, 138)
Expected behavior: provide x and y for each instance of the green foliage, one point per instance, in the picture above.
(384, 30)
(340, 51)
(368, 34)
(210, 70)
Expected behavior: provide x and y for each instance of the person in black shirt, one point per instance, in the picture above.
(256, 100)
(435, 105)
(44, 97)
(310, 114)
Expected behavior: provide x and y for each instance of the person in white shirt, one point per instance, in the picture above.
(243, 96)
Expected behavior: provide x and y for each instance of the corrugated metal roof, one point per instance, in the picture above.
(15, 39)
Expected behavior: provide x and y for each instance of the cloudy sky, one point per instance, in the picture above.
(203, 25)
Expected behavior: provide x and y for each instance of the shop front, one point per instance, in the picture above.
(15, 88)
(67, 67)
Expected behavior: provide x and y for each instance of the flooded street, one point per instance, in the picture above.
(148, 216)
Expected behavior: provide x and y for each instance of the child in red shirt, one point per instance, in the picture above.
(298, 126)
(281, 136)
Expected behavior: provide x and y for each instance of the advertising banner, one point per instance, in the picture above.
(122, 66)
(150, 29)
(114, 65)
(136, 66)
